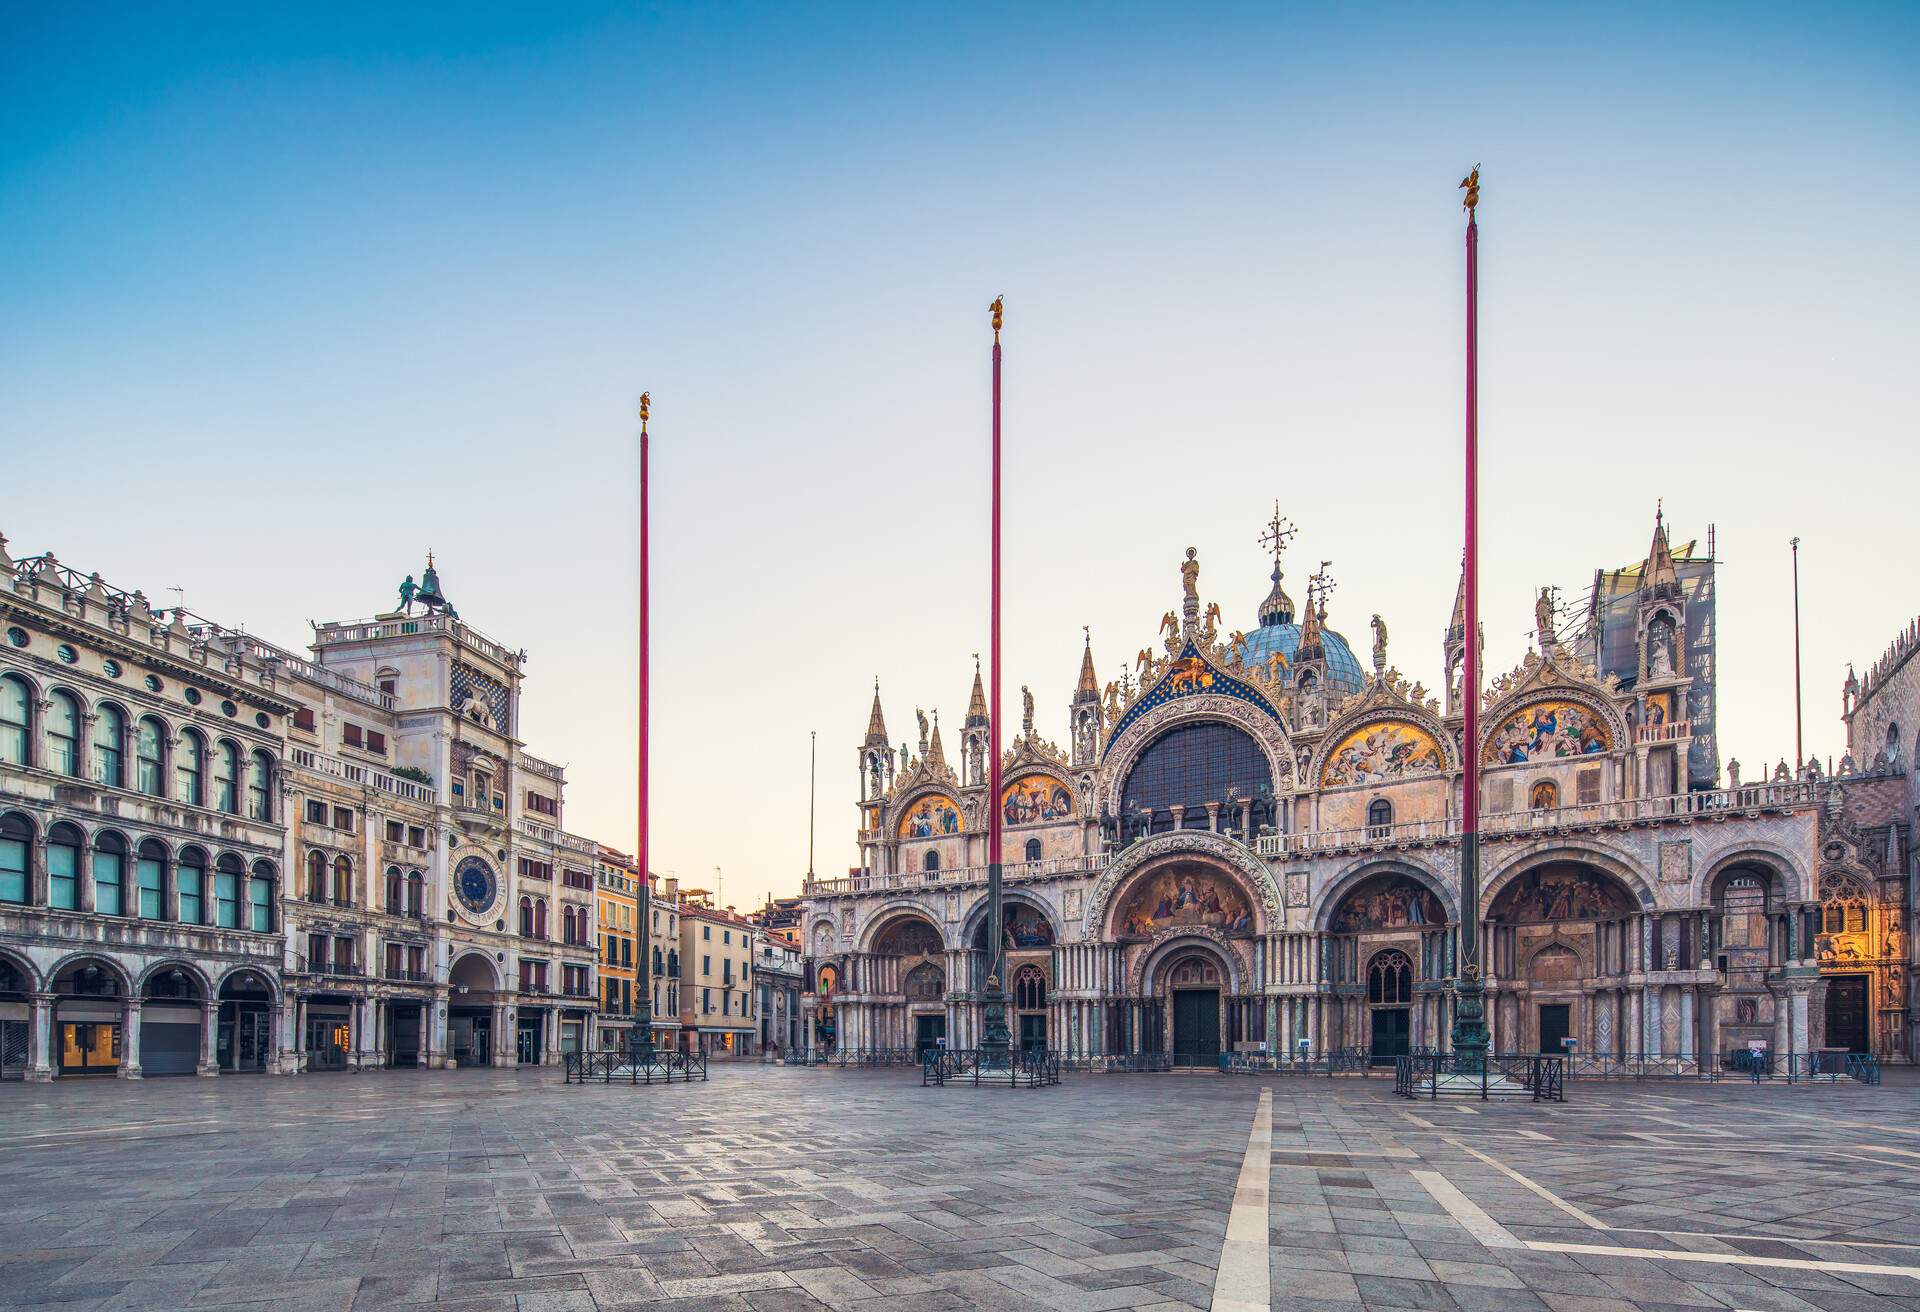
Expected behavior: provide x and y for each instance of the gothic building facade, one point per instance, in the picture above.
(1252, 840)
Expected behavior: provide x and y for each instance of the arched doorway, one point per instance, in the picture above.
(245, 1032)
(1389, 1005)
(1553, 928)
(172, 1012)
(1027, 939)
(90, 1009)
(1386, 934)
(1194, 985)
(16, 1020)
(473, 1023)
(906, 959)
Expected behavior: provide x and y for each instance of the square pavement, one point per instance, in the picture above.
(772, 1188)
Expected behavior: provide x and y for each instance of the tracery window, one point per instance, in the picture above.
(1743, 913)
(1843, 905)
(1191, 766)
(926, 982)
(1029, 988)
(1390, 977)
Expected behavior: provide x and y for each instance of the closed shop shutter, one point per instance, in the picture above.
(168, 1047)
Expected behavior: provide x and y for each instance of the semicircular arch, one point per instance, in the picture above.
(1183, 844)
(1349, 880)
(1604, 859)
(889, 915)
(1124, 753)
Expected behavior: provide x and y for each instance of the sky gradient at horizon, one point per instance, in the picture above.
(293, 297)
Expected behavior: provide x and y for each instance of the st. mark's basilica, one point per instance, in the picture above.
(1250, 843)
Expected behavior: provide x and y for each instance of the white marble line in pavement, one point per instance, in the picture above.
(1243, 1283)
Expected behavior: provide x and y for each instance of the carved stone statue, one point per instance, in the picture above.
(921, 716)
(873, 774)
(1238, 641)
(1190, 575)
(1543, 618)
(1026, 711)
(1660, 648)
(1379, 645)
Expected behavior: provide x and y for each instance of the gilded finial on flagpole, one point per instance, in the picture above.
(1471, 185)
(998, 309)
(646, 404)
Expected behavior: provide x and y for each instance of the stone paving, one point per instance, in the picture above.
(771, 1188)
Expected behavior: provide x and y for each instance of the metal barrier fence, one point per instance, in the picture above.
(1329, 1062)
(1032, 1068)
(613, 1066)
(1116, 1063)
(1433, 1075)
(858, 1057)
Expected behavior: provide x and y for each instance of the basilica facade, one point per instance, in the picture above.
(1250, 842)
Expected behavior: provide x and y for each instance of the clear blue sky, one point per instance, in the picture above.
(288, 299)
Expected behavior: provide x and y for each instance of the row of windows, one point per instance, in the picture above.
(188, 769)
(574, 923)
(147, 882)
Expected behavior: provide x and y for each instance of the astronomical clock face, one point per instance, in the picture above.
(474, 884)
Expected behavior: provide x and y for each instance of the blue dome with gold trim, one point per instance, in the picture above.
(1278, 633)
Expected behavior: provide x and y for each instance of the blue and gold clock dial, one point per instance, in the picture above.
(475, 884)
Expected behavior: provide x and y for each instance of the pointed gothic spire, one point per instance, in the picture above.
(876, 722)
(977, 701)
(936, 755)
(1457, 626)
(1088, 689)
(1660, 576)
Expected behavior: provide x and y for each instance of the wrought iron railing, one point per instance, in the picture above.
(1324, 1061)
(1434, 1075)
(1115, 1063)
(1017, 1068)
(858, 1057)
(618, 1066)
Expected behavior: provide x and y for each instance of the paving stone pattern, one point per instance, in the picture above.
(771, 1188)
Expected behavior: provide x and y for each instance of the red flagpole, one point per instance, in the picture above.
(643, 1018)
(993, 645)
(1469, 1031)
(995, 1037)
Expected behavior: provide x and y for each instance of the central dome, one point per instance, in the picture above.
(1278, 633)
(1283, 636)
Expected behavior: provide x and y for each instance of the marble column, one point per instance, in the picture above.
(130, 1040)
(1686, 1024)
(209, 1031)
(40, 1062)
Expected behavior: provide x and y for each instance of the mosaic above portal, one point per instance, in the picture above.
(1035, 798)
(1186, 899)
(1547, 731)
(1557, 893)
(1387, 902)
(1374, 753)
(930, 817)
